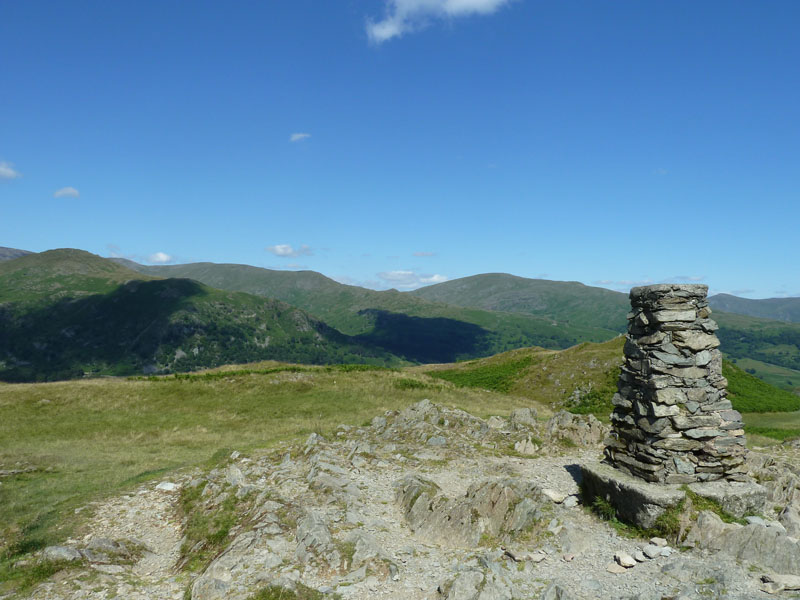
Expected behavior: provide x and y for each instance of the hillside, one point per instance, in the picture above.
(583, 379)
(67, 312)
(11, 253)
(777, 309)
(417, 329)
(565, 301)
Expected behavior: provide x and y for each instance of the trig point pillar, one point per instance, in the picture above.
(672, 422)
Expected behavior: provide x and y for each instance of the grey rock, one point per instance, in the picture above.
(526, 447)
(314, 538)
(762, 546)
(523, 418)
(624, 559)
(737, 498)
(210, 588)
(234, 476)
(437, 440)
(651, 551)
(790, 519)
(555, 591)
(636, 501)
(61, 553)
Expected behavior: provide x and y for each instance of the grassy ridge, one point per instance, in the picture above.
(582, 378)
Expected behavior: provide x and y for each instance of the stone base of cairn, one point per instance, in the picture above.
(672, 422)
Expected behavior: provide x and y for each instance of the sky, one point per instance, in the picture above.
(400, 143)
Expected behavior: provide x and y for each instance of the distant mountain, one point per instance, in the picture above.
(564, 301)
(11, 253)
(778, 309)
(64, 313)
(417, 329)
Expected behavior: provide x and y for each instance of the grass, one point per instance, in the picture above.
(497, 376)
(748, 393)
(782, 377)
(24, 579)
(775, 426)
(206, 529)
(581, 378)
(90, 439)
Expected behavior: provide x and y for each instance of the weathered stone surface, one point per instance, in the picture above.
(636, 501)
(737, 498)
(763, 546)
(61, 553)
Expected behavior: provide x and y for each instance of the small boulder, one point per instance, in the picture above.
(61, 553)
(624, 559)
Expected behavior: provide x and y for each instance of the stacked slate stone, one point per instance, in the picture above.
(672, 422)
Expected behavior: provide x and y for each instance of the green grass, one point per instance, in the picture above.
(776, 426)
(780, 377)
(496, 376)
(748, 393)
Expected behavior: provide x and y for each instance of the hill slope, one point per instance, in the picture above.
(584, 378)
(565, 301)
(11, 253)
(66, 312)
(414, 328)
(778, 309)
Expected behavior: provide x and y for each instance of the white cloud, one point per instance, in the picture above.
(7, 171)
(743, 292)
(299, 137)
(160, 258)
(424, 253)
(403, 16)
(690, 278)
(660, 171)
(286, 250)
(410, 280)
(66, 192)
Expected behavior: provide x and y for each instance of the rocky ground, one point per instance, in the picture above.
(429, 503)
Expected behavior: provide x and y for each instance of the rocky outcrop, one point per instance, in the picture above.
(672, 422)
(492, 508)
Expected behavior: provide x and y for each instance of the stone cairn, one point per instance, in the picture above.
(672, 422)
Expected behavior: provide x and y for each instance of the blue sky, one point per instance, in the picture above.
(404, 142)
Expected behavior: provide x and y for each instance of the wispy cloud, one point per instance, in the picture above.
(410, 280)
(299, 137)
(660, 171)
(404, 16)
(424, 254)
(160, 258)
(66, 192)
(689, 278)
(743, 292)
(7, 171)
(287, 251)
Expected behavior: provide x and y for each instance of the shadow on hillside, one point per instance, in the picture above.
(124, 327)
(425, 340)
